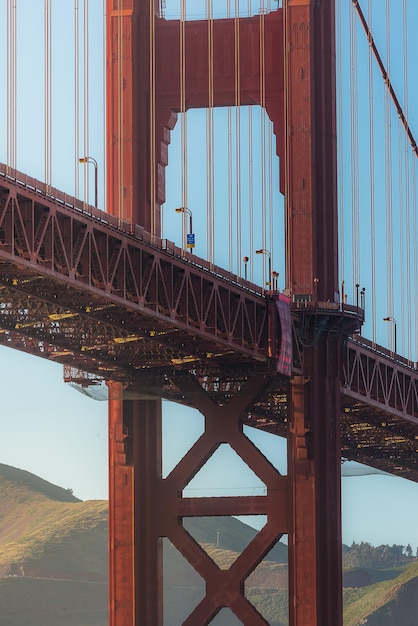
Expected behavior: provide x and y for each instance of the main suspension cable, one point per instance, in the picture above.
(386, 78)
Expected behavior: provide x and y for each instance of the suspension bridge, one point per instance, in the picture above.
(262, 93)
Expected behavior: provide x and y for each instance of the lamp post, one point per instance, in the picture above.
(190, 237)
(88, 159)
(315, 289)
(275, 276)
(267, 253)
(392, 319)
(245, 259)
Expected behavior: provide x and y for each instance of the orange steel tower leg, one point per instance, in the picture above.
(138, 134)
(315, 587)
(134, 425)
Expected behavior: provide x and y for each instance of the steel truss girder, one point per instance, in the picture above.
(190, 306)
(379, 405)
(386, 380)
(166, 508)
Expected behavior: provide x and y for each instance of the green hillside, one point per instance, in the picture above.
(45, 531)
(228, 534)
(388, 603)
(53, 565)
(43, 602)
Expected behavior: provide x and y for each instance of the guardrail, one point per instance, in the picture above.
(136, 231)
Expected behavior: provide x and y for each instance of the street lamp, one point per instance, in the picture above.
(267, 253)
(88, 159)
(392, 319)
(190, 236)
(245, 259)
(275, 276)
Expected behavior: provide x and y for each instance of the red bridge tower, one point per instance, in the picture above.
(143, 99)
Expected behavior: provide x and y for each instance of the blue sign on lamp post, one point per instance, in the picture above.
(190, 240)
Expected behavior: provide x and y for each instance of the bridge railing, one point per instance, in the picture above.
(134, 230)
(384, 352)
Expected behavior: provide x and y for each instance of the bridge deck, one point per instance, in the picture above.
(100, 295)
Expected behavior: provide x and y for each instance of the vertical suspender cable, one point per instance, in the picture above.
(251, 245)
(354, 150)
(230, 192)
(76, 102)
(86, 97)
(104, 112)
(230, 174)
(210, 138)
(388, 177)
(372, 168)
(415, 253)
(47, 92)
(401, 241)
(183, 119)
(120, 209)
(11, 83)
(263, 131)
(407, 192)
(340, 158)
(270, 221)
(270, 192)
(237, 66)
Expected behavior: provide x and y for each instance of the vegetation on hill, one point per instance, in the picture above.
(11, 478)
(388, 603)
(384, 556)
(53, 565)
(44, 530)
(228, 534)
(48, 602)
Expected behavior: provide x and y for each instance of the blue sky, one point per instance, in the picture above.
(50, 429)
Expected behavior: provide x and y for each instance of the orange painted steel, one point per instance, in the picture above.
(314, 443)
(121, 513)
(141, 114)
(142, 102)
(48, 303)
(143, 99)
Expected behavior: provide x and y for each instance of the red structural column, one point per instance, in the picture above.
(315, 587)
(138, 126)
(121, 513)
(311, 161)
(130, 136)
(147, 555)
(135, 594)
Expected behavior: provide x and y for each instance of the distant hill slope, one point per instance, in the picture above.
(33, 483)
(45, 531)
(229, 534)
(53, 566)
(47, 602)
(388, 603)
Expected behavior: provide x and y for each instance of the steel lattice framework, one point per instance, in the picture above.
(104, 297)
(135, 299)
